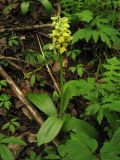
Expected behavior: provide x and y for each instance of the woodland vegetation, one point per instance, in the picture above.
(59, 79)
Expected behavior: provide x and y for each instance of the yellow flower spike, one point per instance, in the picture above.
(61, 35)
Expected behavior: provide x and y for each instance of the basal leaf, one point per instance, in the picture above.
(42, 102)
(49, 130)
(5, 153)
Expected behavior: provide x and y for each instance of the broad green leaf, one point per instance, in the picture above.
(49, 130)
(47, 4)
(25, 6)
(5, 153)
(78, 125)
(67, 95)
(65, 100)
(42, 102)
(70, 89)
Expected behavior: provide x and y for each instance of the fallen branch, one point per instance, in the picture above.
(22, 98)
(24, 28)
(11, 58)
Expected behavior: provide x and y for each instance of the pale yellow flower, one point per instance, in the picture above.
(61, 39)
(61, 35)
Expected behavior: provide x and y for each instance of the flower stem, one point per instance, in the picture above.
(61, 73)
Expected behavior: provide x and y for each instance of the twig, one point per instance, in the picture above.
(48, 69)
(45, 35)
(16, 66)
(21, 97)
(11, 58)
(24, 28)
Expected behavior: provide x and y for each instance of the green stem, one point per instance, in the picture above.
(61, 73)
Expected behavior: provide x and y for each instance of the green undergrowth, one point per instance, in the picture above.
(82, 114)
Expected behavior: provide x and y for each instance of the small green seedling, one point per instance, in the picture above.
(5, 101)
(12, 125)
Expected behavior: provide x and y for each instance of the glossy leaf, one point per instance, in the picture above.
(42, 102)
(70, 90)
(49, 130)
(5, 153)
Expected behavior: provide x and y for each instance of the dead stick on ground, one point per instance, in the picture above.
(11, 58)
(16, 66)
(22, 98)
(48, 69)
(24, 28)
